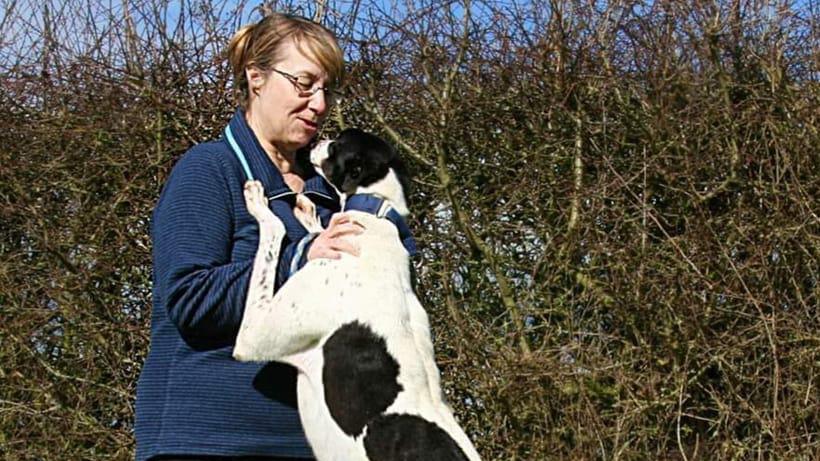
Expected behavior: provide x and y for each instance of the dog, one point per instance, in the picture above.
(368, 386)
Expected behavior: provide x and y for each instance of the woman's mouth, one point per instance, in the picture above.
(311, 125)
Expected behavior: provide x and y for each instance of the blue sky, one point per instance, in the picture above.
(21, 27)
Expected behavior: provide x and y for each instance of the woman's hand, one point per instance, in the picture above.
(331, 242)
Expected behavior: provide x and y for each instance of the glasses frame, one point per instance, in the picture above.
(331, 95)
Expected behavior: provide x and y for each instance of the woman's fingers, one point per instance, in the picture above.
(332, 242)
(340, 230)
(343, 246)
(338, 218)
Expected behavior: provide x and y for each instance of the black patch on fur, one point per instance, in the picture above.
(357, 158)
(277, 381)
(400, 437)
(359, 376)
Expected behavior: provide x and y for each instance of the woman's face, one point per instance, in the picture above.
(277, 113)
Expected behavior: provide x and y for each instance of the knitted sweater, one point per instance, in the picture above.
(192, 397)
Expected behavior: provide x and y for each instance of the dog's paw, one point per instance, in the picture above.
(256, 201)
(257, 205)
(305, 212)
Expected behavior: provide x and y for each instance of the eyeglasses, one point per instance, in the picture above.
(306, 87)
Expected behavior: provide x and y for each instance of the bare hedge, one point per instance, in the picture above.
(616, 205)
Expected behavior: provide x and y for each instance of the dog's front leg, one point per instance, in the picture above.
(305, 212)
(250, 344)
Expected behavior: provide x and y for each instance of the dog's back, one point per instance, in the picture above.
(368, 385)
(372, 378)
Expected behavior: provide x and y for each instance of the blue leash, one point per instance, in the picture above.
(238, 152)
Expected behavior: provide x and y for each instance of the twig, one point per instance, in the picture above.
(61, 375)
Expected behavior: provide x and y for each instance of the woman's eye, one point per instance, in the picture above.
(304, 83)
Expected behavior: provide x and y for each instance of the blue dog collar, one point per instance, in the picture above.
(378, 207)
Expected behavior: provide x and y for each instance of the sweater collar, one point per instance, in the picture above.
(260, 164)
(265, 171)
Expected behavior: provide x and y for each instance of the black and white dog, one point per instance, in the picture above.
(368, 385)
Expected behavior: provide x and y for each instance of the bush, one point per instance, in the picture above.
(615, 204)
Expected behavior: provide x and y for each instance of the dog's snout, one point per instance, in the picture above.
(320, 153)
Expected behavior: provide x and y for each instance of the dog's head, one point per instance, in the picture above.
(357, 162)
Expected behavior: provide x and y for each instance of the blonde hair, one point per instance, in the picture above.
(260, 45)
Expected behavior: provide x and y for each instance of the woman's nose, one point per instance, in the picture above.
(318, 102)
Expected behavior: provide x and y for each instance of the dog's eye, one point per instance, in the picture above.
(355, 171)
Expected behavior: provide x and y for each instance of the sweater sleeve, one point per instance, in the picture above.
(294, 256)
(193, 230)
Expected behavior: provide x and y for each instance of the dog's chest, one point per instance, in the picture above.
(365, 391)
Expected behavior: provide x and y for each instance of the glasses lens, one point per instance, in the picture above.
(304, 84)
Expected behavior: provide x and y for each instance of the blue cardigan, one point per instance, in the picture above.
(192, 397)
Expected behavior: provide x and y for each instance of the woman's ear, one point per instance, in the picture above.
(256, 79)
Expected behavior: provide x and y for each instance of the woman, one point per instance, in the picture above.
(193, 400)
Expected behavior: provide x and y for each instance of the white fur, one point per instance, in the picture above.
(373, 289)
